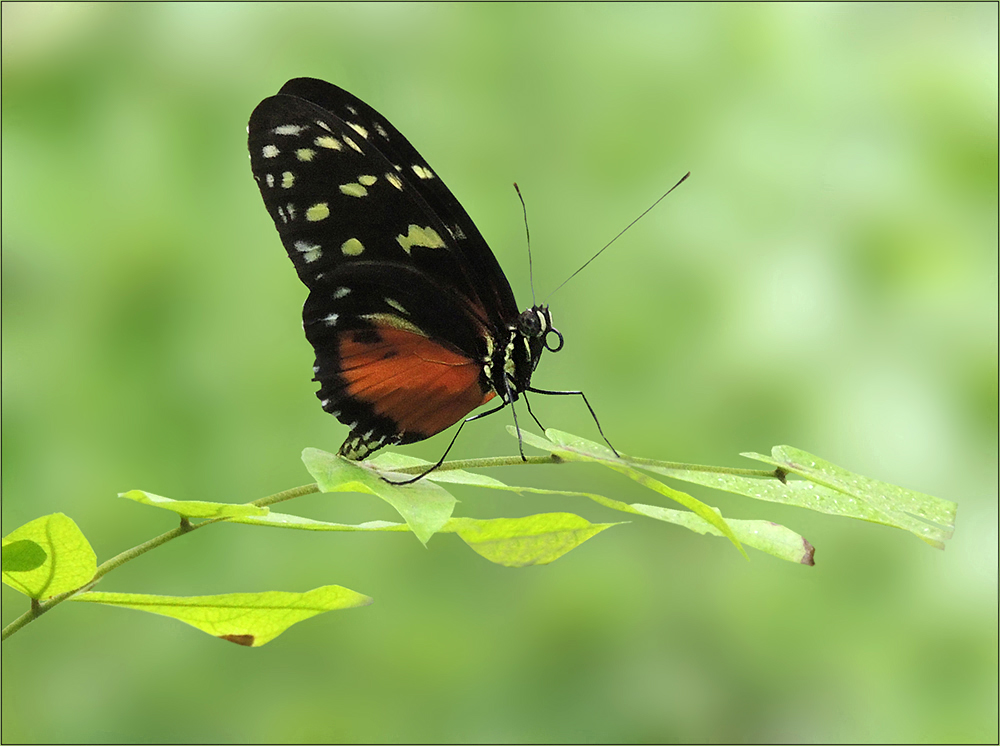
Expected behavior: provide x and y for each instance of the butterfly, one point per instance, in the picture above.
(413, 321)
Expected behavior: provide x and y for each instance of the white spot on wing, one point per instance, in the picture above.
(331, 318)
(310, 252)
(340, 293)
(423, 173)
(270, 151)
(287, 179)
(288, 129)
(270, 180)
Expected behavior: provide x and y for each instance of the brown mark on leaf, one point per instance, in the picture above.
(241, 639)
(807, 558)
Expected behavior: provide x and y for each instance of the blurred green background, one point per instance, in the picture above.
(827, 278)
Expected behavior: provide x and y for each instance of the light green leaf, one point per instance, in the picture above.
(69, 561)
(390, 461)
(250, 619)
(520, 542)
(424, 505)
(929, 518)
(194, 508)
(513, 542)
(763, 535)
(574, 448)
(285, 520)
(23, 555)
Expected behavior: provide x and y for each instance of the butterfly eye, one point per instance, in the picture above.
(529, 325)
(548, 345)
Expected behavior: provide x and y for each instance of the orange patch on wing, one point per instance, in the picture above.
(418, 383)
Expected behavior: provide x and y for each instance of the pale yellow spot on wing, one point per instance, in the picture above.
(395, 304)
(287, 179)
(394, 321)
(359, 129)
(427, 238)
(395, 181)
(367, 180)
(353, 144)
(423, 173)
(353, 190)
(319, 211)
(331, 143)
(352, 247)
(305, 154)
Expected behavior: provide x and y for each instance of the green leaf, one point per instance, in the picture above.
(929, 518)
(285, 520)
(574, 448)
(763, 535)
(22, 556)
(250, 619)
(390, 461)
(520, 542)
(68, 562)
(512, 542)
(194, 508)
(425, 506)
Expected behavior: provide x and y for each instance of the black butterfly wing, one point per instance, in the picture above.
(402, 312)
(466, 245)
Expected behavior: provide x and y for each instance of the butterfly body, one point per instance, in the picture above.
(412, 320)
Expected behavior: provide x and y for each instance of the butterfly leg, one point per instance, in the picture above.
(510, 398)
(582, 396)
(528, 405)
(448, 449)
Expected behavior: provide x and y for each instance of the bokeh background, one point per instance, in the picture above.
(827, 278)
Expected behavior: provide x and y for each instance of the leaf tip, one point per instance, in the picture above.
(807, 555)
(245, 640)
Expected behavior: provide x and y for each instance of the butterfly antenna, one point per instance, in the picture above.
(621, 232)
(527, 233)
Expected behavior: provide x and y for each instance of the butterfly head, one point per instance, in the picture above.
(535, 325)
